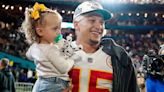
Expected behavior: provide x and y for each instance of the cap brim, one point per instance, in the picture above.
(104, 13)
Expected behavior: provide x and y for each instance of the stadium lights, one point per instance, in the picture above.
(20, 8)
(69, 12)
(7, 25)
(63, 11)
(156, 14)
(162, 16)
(130, 14)
(112, 14)
(12, 24)
(73, 12)
(7, 7)
(131, 1)
(26, 8)
(138, 14)
(3, 6)
(122, 14)
(135, 1)
(111, 1)
(12, 7)
(145, 15)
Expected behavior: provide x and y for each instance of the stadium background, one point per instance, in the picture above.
(137, 25)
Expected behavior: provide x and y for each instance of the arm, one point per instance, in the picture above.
(61, 64)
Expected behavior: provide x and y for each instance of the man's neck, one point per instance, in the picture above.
(88, 48)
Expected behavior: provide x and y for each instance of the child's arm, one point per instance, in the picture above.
(61, 64)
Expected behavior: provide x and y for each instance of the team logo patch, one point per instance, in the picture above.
(90, 60)
(109, 62)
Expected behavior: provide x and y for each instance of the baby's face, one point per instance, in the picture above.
(51, 28)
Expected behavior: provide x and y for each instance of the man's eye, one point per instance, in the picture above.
(102, 22)
(92, 20)
(55, 28)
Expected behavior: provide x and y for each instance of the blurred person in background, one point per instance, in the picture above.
(141, 81)
(6, 77)
(154, 70)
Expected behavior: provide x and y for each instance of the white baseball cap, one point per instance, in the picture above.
(91, 6)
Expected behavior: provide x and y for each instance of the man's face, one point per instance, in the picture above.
(90, 28)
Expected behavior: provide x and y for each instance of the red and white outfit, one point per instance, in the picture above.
(92, 72)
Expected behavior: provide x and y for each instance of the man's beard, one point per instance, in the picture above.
(93, 42)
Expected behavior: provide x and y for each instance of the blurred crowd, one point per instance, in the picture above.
(23, 75)
(13, 42)
(136, 44)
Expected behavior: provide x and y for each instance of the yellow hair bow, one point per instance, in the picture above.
(36, 9)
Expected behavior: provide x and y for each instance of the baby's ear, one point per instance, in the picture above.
(39, 31)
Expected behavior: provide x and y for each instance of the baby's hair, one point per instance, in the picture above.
(29, 24)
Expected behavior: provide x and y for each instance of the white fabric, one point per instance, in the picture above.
(101, 62)
(49, 61)
(90, 6)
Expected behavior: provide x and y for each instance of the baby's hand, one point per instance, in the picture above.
(68, 48)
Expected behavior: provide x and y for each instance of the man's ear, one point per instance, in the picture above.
(76, 27)
(39, 31)
(75, 23)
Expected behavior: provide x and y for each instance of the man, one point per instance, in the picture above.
(103, 67)
(155, 77)
(6, 77)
